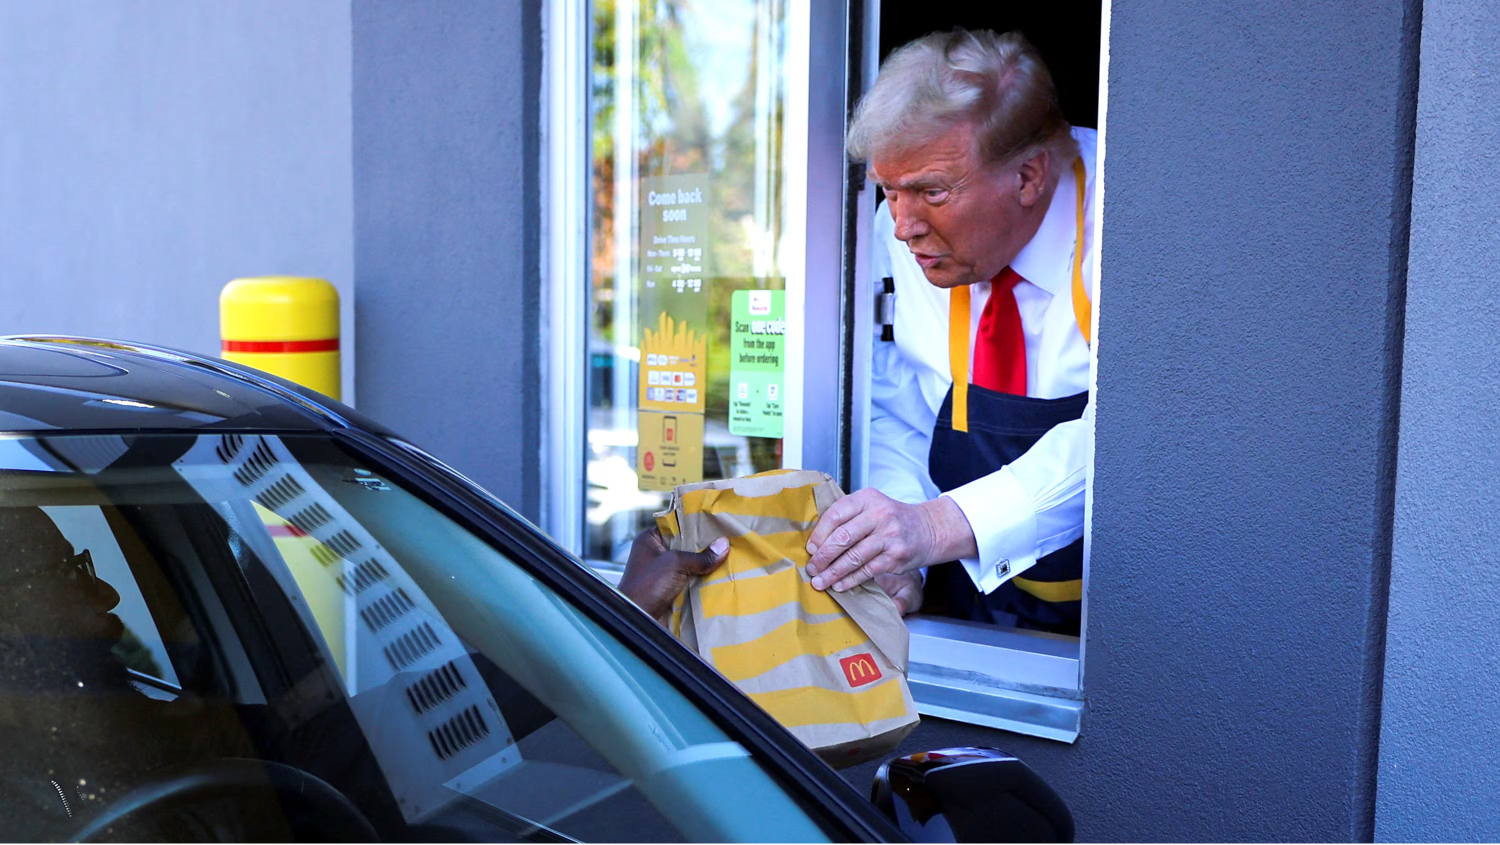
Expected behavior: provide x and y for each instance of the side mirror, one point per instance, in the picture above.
(970, 795)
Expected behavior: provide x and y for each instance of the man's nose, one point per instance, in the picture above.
(909, 225)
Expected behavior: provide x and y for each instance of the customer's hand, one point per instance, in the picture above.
(905, 588)
(655, 575)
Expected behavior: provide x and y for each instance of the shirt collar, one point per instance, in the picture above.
(1045, 260)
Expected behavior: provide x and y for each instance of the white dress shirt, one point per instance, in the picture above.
(1034, 505)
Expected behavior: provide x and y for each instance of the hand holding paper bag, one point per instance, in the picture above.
(831, 667)
(655, 575)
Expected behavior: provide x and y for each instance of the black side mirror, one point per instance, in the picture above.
(970, 795)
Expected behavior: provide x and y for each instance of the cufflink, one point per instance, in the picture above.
(1002, 568)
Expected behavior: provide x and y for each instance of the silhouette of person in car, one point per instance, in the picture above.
(75, 733)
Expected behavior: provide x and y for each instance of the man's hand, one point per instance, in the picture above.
(906, 589)
(868, 533)
(655, 576)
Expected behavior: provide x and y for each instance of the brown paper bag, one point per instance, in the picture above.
(829, 666)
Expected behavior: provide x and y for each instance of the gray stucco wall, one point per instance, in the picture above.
(447, 217)
(1438, 777)
(1253, 259)
(1249, 340)
(152, 151)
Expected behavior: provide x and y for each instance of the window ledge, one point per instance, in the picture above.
(1045, 716)
(1020, 681)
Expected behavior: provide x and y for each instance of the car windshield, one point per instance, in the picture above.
(246, 635)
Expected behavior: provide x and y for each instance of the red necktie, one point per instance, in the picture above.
(1000, 345)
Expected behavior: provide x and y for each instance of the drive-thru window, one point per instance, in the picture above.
(715, 309)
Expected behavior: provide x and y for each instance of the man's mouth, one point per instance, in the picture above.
(925, 260)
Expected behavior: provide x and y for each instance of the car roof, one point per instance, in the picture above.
(55, 383)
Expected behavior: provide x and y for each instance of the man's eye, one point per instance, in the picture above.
(935, 194)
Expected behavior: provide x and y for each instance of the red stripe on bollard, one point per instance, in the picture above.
(271, 346)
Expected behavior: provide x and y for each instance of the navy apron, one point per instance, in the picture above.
(998, 428)
(1002, 426)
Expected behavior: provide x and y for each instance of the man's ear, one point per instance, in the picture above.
(1033, 173)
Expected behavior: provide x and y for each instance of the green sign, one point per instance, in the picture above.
(757, 362)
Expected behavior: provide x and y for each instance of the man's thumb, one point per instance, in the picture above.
(710, 558)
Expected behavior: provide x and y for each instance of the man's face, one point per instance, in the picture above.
(962, 219)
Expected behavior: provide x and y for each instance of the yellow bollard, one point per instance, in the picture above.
(285, 325)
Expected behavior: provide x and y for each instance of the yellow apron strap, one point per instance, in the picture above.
(1051, 590)
(958, 315)
(1083, 308)
(958, 354)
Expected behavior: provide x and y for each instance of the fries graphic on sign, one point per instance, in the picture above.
(674, 366)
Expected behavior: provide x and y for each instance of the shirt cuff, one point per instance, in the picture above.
(1003, 519)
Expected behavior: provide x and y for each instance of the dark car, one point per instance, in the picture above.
(233, 609)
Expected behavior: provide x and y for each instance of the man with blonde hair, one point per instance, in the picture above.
(980, 439)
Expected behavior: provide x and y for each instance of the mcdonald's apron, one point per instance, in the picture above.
(978, 431)
(1002, 426)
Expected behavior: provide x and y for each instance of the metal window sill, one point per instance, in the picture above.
(1020, 681)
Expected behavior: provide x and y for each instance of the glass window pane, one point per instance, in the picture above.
(687, 325)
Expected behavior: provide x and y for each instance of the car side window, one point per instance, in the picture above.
(278, 642)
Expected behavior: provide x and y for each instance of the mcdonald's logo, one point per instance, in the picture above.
(860, 669)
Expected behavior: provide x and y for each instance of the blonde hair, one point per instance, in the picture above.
(997, 83)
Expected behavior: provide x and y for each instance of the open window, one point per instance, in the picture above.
(714, 305)
(1005, 677)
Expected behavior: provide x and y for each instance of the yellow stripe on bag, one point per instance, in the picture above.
(801, 508)
(748, 596)
(746, 660)
(800, 706)
(750, 552)
(1051, 590)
